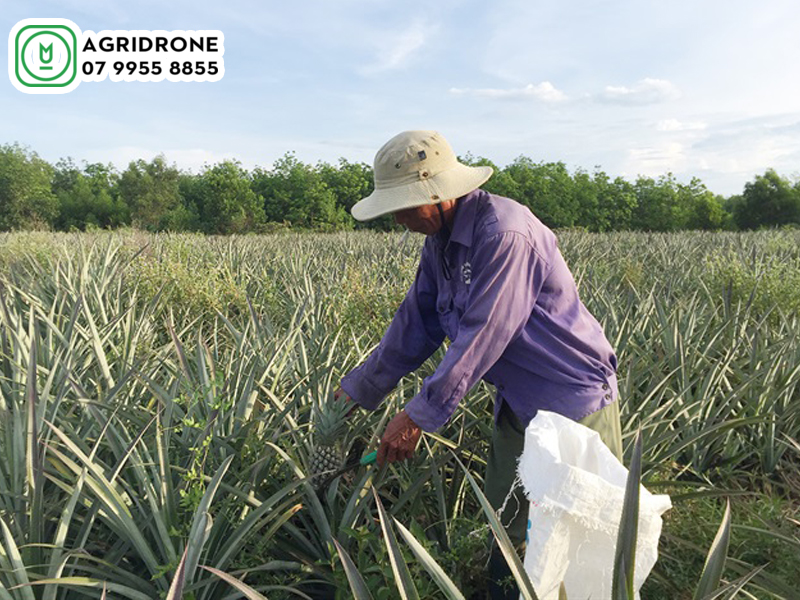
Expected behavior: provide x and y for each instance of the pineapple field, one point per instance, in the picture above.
(169, 427)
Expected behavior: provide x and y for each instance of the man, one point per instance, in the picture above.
(491, 279)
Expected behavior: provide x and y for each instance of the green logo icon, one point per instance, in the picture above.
(46, 56)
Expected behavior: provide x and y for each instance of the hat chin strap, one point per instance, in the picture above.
(444, 221)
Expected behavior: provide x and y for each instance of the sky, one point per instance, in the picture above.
(701, 88)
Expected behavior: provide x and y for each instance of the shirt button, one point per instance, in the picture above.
(607, 396)
(605, 386)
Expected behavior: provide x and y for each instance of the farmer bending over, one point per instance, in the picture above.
(491, 279)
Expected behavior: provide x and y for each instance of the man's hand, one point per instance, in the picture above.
(399, 439)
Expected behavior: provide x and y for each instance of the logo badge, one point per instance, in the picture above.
(43, 56)
(466, 273)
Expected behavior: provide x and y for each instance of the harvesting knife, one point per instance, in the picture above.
(365, 460)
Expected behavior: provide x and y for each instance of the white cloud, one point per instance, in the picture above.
(751, 147)
(676, 125)
(655, 161)
(395, 50)
(544, 91)
(725, 154)
(646, 91)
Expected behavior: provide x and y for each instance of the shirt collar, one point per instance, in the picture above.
(464, 223)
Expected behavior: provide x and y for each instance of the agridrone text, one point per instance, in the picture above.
(124, 43)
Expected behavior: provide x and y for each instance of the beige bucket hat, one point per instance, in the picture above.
(415, 168)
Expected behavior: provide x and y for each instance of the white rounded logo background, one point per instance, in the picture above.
(43, 56)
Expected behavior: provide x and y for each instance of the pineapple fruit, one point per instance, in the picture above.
(330, 423)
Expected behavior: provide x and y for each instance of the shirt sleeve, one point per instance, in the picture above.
(413, 335)
(507, 276)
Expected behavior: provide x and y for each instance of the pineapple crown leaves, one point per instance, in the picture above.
(329, 420)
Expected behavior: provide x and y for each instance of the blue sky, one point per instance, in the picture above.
(706, 88)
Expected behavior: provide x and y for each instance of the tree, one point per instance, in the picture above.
(592, 211)
(26, 200)
(546, 188)
(187, 217)
(616, 201)
(657, 204)
(294, 192)
(768, 201)
(229, 204)
(703, 209)
(500, 183)
(87, 198)
(350, 182)
(150, 191)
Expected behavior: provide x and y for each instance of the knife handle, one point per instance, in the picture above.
(369, 458)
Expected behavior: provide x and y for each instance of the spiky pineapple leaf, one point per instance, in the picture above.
(402, 576)
(357, 584)
(717, 554)
(625, 553)
(429, 564)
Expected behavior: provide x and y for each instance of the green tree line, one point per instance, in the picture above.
(226, 198)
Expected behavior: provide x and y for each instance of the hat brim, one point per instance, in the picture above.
(447, 185)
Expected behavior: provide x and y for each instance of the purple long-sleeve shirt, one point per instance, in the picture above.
(511, 310)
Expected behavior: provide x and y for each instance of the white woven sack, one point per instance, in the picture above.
(576, 488)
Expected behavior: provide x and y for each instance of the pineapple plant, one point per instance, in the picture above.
(329, 421)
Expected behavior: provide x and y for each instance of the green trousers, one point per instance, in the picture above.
(508, 439)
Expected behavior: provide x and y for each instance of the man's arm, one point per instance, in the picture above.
(508, 275)
(413, 335)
